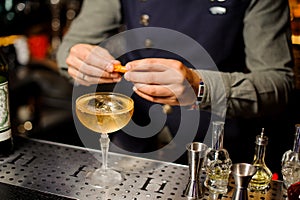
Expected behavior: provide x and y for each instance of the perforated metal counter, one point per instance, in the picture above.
(60, 169)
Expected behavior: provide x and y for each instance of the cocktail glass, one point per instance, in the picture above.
(104, 113)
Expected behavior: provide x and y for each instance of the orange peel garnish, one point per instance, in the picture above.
(120, 68)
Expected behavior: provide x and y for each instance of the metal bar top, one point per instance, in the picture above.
(61, 169)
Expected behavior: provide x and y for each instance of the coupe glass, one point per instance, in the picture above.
(104, 113)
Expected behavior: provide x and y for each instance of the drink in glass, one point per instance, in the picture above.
(104, 112)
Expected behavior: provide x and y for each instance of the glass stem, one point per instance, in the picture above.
(104, 142)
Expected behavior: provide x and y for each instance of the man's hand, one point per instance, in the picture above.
(91, 64)
(165, 81)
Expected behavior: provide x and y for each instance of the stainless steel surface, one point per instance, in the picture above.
(242, 174)
(61, 169)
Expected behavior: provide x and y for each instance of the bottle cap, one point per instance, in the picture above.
(262, 139)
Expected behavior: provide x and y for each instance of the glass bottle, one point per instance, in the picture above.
(263, 175)
(6, 140)
(218, 162)
(290, 162)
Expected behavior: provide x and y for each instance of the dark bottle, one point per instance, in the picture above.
(6, 139)
(293, 191)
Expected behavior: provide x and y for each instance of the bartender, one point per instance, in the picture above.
(188, 63)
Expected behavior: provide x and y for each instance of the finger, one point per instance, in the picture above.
(97, 72)
(79, 65)
(101, 58)
(147, 75)
(91, 70)
(99, 80)
(168, 63)
(167, 77)
(154, 90)
(94, 56)
(153, 73)
(102, 52)
(82, 77)
(162, 100)
(171, 94)
(146, 65)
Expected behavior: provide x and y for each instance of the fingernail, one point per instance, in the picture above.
(134, 88)
(109, 67)
(128, 66)
(126, 76)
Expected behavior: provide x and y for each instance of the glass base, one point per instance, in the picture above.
(101, 178)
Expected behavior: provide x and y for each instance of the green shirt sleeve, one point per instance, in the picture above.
(86, 30)
(266, 88)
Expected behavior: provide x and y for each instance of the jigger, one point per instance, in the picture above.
(196, 154)
(242, 174)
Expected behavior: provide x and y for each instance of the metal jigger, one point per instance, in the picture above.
(196, 155)
(242, 173)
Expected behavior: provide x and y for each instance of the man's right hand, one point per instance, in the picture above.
(91, 64)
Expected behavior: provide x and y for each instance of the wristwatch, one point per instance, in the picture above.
(200, 92)
(196, 105)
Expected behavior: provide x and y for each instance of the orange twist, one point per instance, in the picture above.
(120, 68)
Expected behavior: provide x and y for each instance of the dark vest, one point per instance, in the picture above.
(216, 25)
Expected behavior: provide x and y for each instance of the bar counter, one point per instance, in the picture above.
(41, 169)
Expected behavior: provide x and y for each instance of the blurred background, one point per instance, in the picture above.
(31, 31)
